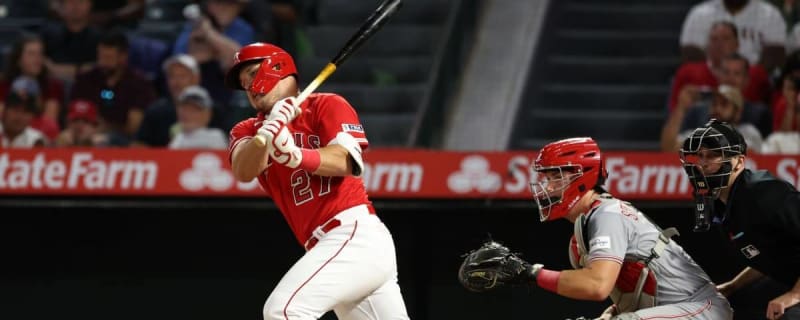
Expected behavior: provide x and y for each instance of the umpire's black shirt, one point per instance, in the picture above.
(761, 222)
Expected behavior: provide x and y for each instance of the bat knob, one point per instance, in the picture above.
(260, 141)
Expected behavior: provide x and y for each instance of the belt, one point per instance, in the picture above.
(320, 231)
(345, 217)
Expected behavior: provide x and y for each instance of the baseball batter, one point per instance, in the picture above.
(616, 251)
(310, 167)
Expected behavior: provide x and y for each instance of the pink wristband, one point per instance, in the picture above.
(548, 280)
(311, 160)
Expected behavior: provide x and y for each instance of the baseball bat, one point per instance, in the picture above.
(367, 29)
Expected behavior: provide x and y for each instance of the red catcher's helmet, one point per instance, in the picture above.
(276, 64)
(565, 171)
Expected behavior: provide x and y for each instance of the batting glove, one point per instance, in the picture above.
(284, 151)
(285, 110)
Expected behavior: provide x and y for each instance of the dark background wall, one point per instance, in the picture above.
(218, 259)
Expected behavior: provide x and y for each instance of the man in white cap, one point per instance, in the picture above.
(194, 114)
(182, 71)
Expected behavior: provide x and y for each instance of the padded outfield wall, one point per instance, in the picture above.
(170, 258)
(155, 234)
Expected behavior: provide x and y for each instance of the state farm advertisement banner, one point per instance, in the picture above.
(401, 173)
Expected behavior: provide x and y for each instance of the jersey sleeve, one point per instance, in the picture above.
(782, 203)
(793, 39)
(337, 115)
(695, 28)
(242, 131)
(774, 28)
(791, 214)
(607, 236)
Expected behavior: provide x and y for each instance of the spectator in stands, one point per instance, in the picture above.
(82, 127)
(194, 113)
(734, 73)
(785, 142)
(762, 30)
(26, 59)
(28, 87)
(786, 138)
(181, 72)
(212, 39)
(727, 105)
(785, 103)
(15, 129)
(790, 10)
(70, 43)
(113, 13)
(275, 21)
(120, 92)
(723, 40)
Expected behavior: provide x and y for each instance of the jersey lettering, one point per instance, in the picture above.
(298, 139)
(751, 35)
(302, 187)
(313, 141)
(628, 212)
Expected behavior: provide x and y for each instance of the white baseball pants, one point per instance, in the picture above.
(352, 270)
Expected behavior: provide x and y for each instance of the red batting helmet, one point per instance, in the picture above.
(276, 64)
(566, 170)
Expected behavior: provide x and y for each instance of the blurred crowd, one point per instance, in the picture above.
(86, 77)
(741, 64)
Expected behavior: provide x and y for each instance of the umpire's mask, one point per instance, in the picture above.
(706, 156)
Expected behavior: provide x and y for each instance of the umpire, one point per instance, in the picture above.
(757, 214)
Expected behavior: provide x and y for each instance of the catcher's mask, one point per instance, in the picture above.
(564, 171)
(275, 64)
(706, 157)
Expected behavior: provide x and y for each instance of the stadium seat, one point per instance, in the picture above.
(165, 10)
(386, 79)
(602, 70)
(371, 70)
(391, 40)
(23, 9)
(387, 130)
(343, 12)
(161, 30)
(371, 99)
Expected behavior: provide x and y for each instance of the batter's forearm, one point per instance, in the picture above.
(249, 160)
(334, 162)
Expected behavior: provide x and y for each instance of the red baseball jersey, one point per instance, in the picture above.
(700, 74)
(308, 200)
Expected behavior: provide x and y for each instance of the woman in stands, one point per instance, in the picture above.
(26, 59)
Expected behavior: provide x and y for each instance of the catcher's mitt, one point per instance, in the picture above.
(494, 264)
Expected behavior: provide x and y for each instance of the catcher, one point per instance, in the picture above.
(616, 250)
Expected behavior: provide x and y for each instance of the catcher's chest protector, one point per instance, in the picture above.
(636, 287)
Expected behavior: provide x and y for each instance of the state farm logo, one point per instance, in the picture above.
(475, 174)
(206, 172)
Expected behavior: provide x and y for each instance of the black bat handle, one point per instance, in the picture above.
(373, 23)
